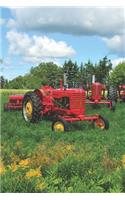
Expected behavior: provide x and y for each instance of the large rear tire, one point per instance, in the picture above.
(112, 94)
(31, 107)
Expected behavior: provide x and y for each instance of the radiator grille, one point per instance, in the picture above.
(77, 100)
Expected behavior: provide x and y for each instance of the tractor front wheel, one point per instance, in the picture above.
(60, 125)
(32, 107)
(102, 123)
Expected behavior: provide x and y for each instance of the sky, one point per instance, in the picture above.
(29, 36)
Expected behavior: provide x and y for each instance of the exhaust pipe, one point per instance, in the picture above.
(93, 78)
(65, 80)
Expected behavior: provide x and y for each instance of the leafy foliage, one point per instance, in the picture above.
(3, 82)
(45, 73)
(77, 75)
(117, 76)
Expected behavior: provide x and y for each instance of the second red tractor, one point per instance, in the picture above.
(98, 94)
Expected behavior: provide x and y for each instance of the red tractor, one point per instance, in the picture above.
(14, 103)
(64, 105)
(122, 93)
(97, 95)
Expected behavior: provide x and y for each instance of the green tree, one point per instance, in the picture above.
(81, 75)
(3, 82)
(17, 83)
(43, 74)
(102, 70)
(46, 74)
(117, 76)
(89, 71)
(72, 69)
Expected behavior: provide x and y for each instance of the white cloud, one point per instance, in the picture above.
(106, 22)
(116, 44)
(36, 48)
(115, 62)
(11, 23)
(76, 21)
(2, 21)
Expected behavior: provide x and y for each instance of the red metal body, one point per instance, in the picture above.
(68, 104)
(14, 102)
(122, 92)
(96, 91)
(97, 95)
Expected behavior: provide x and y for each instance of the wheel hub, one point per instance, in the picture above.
(59, 127)
(29, 109)
(100, 124)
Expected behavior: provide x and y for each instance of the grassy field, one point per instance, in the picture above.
(35, 159)
(12, 91)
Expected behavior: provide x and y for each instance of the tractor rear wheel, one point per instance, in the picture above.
(112, 93)
(102, 123)
(113, 106)
(32, 107)
(60, 125)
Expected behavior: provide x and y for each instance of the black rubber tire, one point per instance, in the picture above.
(113, 106)
(36, 104)
(112, 94)
(64, 122)
(106, 123)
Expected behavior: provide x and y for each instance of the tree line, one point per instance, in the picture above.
(77, 75)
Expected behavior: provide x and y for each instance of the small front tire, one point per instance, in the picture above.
(102, 123)
(60, 125)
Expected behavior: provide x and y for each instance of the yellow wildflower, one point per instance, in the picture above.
(2, 169)
(69, 148)
(14, 167)
(33, 173)
(24, 163)
(123, 161)
(40, 186)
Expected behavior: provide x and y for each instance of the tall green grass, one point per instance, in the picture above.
(85, 159)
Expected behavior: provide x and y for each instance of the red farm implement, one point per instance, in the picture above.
(14, 103)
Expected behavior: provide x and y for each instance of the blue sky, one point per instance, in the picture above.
(32, 35)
